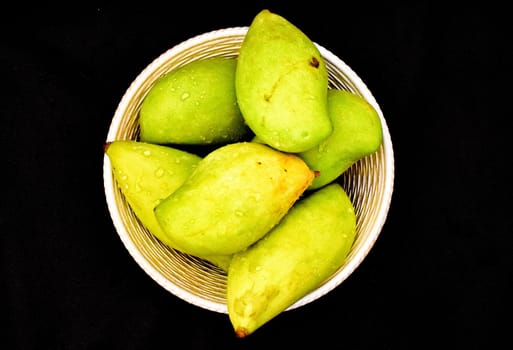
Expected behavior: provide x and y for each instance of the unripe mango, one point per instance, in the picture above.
(194, 104)
(357, 132)
(146, 174)
(302, 251)
(236, 194)
(281, 85)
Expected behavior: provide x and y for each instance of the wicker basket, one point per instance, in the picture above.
(369, 182)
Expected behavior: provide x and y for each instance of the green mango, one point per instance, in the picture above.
(146, 174)
(194, 104)
(310, 244)
(281, 85)
(236, 194)
(357, 132)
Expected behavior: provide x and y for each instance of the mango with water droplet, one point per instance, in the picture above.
(146, 174)
(357, 132)
(194, 104)
(236, 194)
(307, 247)
(281, 84)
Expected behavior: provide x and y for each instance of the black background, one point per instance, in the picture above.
(439, 275)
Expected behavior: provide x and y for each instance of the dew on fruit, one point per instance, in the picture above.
(159, 172)
(254, 268)
(322, 147)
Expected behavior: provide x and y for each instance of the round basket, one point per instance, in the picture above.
(369, 182)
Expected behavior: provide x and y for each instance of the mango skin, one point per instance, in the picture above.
(357, 132)
(194, 104)
(307, 247)
(146, 174)
(236, 194)
(281, 85)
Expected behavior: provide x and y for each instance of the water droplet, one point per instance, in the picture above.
(159, 172)
(239, 213)
(255, 268)
(322, 147)
(164, 187)
(185, 96)
(147, 153)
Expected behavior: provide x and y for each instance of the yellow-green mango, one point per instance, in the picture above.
(357, 132)
(281, 84)
(146, 174)
(310, 244)
(236, 194)
(194, 104)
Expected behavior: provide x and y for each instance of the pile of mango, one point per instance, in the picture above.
(263, 203)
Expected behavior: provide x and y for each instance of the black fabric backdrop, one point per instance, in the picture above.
(440, 273)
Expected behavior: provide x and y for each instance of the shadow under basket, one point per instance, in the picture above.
(369, 182)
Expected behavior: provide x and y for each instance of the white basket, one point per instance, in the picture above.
(369, 182)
